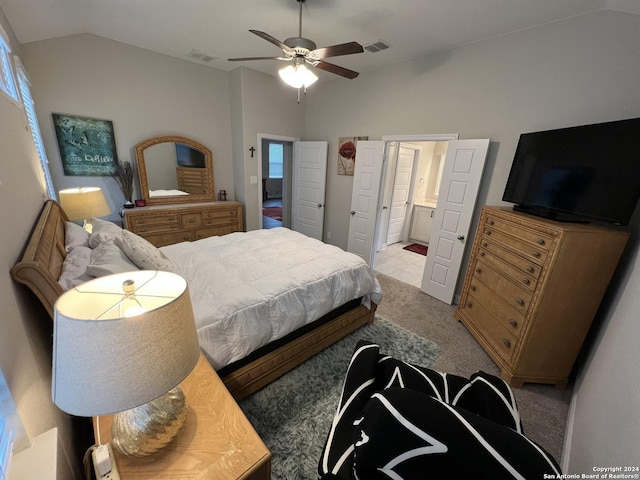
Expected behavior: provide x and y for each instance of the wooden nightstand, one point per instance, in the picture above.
(216, 442)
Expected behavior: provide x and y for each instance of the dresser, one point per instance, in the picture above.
(216, 442)
(532, 289)
(166, 224)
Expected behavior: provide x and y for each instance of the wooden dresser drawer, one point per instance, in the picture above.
(519, 276)
(501, 340)
(540, 239)
(221, 217)
(215, 231)
(135, 220)
(510, 318)
(530, 251)
(515, 295)
(189, 220)
(162, 239)
(525, 265)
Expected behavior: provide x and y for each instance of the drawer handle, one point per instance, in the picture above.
(481, 254)
(192, 220)
(540, 241)
(513, 323)
(520, 301)
(487, 232)
(506, 343)
(186, 238)
(490, 222)
(478, 270)
(484, 244)
(536, 254)
(530, 269)
(469, 304)
(526, 281)
(472, 288)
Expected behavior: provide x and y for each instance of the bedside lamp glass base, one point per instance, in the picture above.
(146, 429)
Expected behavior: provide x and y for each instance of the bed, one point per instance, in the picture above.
(225, 262)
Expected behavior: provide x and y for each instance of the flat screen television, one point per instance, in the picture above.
(580, 174)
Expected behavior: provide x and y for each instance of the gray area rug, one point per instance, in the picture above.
(293, 414)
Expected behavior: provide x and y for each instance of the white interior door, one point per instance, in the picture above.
(364, 199)
(461, 177)
(309, 184)
(400, 195)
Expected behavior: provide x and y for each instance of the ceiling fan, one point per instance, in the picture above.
(303, 51)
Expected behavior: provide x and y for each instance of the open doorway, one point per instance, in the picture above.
(410, 185)
(276, 154)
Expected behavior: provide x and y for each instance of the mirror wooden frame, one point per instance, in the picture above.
(142, 171)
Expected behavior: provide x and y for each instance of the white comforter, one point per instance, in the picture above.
(251, 288)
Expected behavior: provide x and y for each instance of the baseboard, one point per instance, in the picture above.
(568, 432)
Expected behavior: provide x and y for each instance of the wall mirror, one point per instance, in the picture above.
(174, 169)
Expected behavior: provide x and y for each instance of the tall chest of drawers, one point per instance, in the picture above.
(166, 224)
(532, 289)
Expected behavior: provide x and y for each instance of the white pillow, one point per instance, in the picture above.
(104, 231)
(107, 258)
(75, 236)
(144, 254)
(74, 268)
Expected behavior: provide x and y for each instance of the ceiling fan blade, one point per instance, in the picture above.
(348, 48)
(330, 67)
(257, 58)
(275, 41)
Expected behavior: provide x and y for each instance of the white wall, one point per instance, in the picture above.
(25, 341)
(145, 95)
(262, 104)
(582, 70)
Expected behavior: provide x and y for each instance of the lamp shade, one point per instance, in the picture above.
(122, 340)
(298, 75)
(83, 203)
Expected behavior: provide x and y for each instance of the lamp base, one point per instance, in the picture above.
(146, 429)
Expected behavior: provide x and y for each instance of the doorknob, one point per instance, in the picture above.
(460, 237)
(319, 205)
(353, 212)
(384, 207)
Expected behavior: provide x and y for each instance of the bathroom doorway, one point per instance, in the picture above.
(411, 186)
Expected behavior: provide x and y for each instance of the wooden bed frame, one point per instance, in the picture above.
(41, 265)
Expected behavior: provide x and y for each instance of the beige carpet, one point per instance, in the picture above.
(543, 408)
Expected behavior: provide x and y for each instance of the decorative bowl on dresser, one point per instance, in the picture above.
(532, 289)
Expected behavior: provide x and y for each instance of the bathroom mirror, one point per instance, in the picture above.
(174, 169)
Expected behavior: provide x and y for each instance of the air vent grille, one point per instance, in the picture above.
(377, 46)
(201, 56)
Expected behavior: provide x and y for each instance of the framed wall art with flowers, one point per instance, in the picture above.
(347, 154)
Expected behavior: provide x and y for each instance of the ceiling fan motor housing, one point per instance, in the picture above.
(300, 44)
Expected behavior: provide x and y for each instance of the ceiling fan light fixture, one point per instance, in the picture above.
(298, 75)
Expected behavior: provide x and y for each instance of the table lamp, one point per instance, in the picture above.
(84, 203)
(123, 343)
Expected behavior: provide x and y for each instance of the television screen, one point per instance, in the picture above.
(585, 173)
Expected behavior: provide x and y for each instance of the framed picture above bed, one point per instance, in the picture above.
(87, 145)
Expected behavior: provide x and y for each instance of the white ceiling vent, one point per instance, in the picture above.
(200, 56)
(374, 47)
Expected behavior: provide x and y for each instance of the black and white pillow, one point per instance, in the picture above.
(447, 401)
(405, 434)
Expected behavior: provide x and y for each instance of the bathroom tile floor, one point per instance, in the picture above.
(400, 264)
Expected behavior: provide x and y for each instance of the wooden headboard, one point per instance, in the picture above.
(41, 263)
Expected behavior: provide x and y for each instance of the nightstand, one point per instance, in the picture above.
(216, 442)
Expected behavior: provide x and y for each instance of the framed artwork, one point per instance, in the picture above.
(347, 154)
(87, 145)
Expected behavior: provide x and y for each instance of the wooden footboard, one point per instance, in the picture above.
(252, 377)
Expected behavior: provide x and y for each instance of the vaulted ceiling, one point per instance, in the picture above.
(197, 29)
